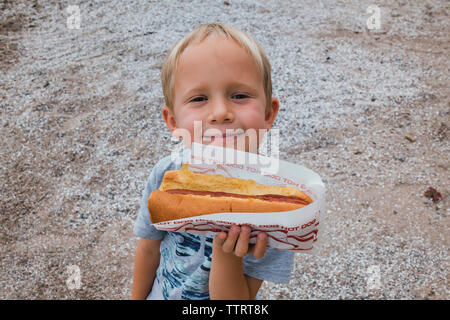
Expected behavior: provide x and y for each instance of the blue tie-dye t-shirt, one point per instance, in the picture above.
(183, 271)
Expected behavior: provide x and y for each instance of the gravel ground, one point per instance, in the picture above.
(81, 129)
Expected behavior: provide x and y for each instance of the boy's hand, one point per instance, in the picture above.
(237, 241)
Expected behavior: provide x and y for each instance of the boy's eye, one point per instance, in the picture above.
(198, 99)
(240, 96)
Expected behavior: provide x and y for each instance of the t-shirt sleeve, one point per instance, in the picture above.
(143, 227)
(275, 266)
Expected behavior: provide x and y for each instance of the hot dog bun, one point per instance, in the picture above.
(215, 194)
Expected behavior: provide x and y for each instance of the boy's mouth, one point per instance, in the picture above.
(224, 136)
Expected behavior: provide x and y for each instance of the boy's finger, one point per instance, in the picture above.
(219, 239)
(241, 248)
(230, 242)
(259, 249)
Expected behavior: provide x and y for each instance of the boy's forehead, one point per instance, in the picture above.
(214, 46)
(217, 56)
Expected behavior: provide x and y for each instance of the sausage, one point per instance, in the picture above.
(266, 197)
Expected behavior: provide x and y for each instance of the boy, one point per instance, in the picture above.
(220, 76)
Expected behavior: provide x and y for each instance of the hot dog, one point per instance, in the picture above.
(184, 194)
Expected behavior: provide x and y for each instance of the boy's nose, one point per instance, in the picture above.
(220, 113)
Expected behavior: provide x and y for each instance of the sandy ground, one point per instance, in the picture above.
(81, 128)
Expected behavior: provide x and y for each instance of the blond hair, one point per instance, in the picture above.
(197, 36)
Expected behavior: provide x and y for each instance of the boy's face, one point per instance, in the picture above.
(219, 84)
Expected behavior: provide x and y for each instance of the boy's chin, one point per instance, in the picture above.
(241, 145)
(249, 145)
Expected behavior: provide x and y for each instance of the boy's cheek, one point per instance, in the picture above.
(256, 113)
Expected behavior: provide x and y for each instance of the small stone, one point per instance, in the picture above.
(433, 194)
(410, 138)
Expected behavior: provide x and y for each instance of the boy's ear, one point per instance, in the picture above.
(169, 118)
(271, 114)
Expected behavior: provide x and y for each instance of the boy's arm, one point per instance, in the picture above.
(146, 263)
(227, 280)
